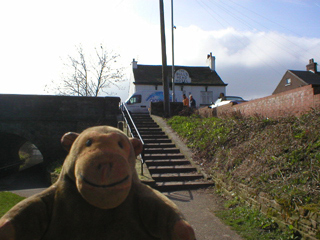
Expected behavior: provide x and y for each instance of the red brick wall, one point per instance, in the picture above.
(294, 102)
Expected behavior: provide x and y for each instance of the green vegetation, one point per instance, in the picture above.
(251, 224)
(7, 201)
(24, 156)
(280, 157)
(55, 169)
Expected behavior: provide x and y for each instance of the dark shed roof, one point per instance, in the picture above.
(152, 74)
(307, 76)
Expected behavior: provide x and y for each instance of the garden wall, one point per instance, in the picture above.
(293, 102)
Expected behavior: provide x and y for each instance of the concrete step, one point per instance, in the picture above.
(150, 129)
(137, 116)
(156, 141)
(167, 166)
(161, 150)
(172, 169)
(153, 133)
(175, 177)
(140, 119)
(154, 136)
(159, 145)
(140, 115)
(146, 124)
(143, 121)
(180, 186)
(163, 156)
(170, 162)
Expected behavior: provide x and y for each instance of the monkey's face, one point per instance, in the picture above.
(104, 166)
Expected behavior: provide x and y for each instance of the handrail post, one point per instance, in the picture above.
(142, 157)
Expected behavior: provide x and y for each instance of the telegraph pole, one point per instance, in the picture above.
(165, 82)
(172, 34)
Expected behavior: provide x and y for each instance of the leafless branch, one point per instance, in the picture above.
(85, 78)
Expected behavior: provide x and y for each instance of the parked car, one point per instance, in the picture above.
(227, 99)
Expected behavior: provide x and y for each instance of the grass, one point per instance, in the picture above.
(280, 157)
(252, 225)
(7, 201)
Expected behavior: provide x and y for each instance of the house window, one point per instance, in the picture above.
(288, 81)
(206, 97)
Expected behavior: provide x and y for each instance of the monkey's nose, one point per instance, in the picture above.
(105, 170)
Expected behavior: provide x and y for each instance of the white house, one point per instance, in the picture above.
(203, 83)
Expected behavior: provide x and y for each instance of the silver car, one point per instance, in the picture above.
(227, 99)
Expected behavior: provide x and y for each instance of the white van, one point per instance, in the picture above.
(140, 101)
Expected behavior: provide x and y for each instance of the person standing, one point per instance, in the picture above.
(192, 102)
(185, 100)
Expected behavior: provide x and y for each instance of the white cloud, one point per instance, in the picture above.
(251, 62)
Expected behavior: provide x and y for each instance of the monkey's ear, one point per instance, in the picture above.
(137, 145)
(68, 139)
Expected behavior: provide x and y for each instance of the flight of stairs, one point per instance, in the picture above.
(170, 169)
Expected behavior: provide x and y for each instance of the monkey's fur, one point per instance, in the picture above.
(97, 196)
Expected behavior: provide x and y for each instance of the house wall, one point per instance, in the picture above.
(283, 86)
(196, 93)
(185, 89)
(293, 102)
(178, 91)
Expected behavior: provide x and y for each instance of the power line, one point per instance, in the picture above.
(275, 41)
(213, 16)
(265, 18)
(207, 8)
(259, 23)
(247, 20)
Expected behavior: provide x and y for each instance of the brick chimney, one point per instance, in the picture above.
(211, 62)
(312, 66)
(134, 64)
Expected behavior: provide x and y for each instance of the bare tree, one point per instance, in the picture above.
(89, 77)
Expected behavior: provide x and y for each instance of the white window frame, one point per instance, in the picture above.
(288, 82)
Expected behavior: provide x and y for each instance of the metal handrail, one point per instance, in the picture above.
(123, 110)
(17, 163)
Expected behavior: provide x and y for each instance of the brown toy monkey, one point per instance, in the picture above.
(97, 196)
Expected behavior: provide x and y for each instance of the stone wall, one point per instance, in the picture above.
(42, 120)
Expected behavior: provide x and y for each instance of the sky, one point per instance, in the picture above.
(254, 41)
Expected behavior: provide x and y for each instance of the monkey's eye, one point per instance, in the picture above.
(89, 142)
(120, 145)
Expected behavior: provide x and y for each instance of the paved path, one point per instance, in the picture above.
(198, 207)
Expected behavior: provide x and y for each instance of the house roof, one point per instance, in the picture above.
(152, 74)
(307, 76)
